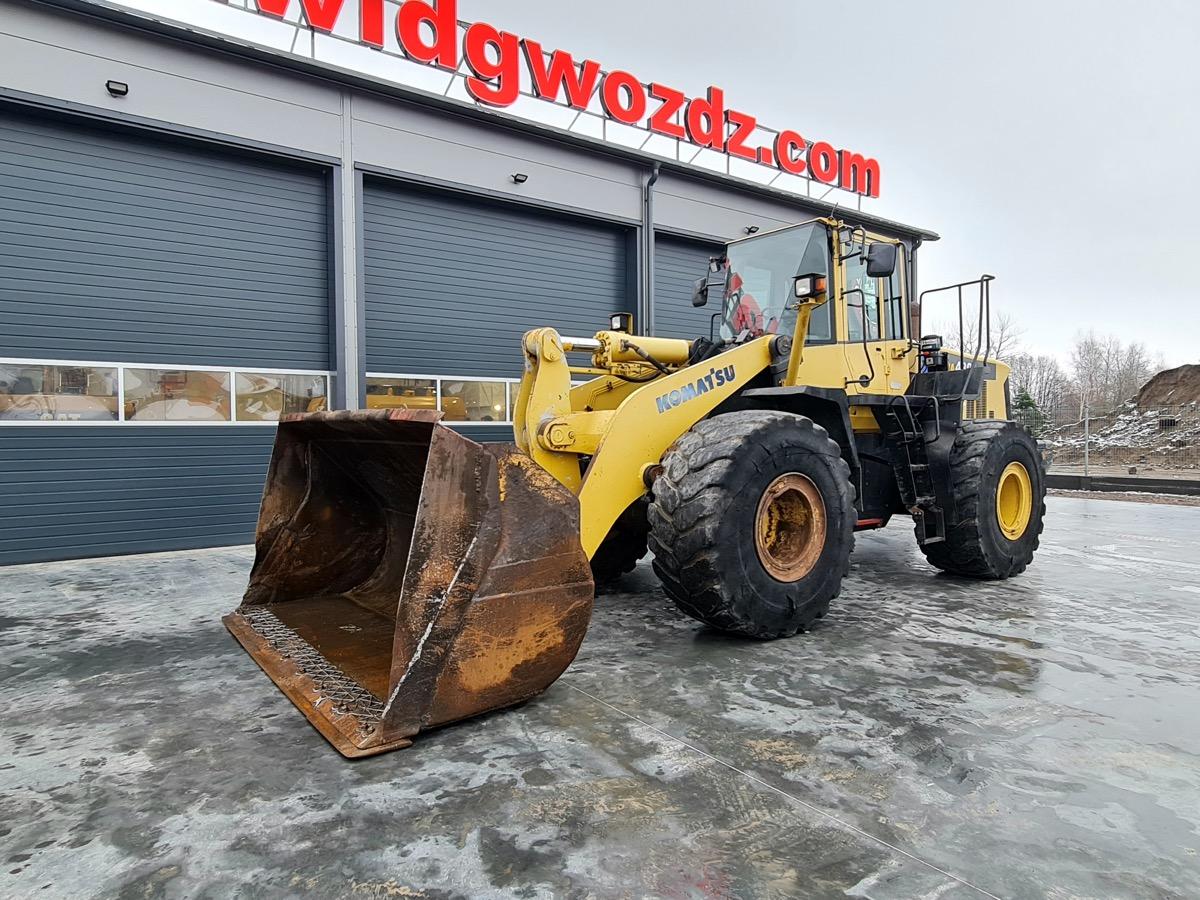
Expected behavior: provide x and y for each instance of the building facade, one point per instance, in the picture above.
(200, 236)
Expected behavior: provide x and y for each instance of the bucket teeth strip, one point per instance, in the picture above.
(347, 696)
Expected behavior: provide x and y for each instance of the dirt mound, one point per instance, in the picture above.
(1171, 387)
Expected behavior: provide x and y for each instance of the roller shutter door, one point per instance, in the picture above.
(452, 283)
(123, 247)
(677, 265)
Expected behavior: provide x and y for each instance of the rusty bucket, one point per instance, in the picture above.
(407, 577)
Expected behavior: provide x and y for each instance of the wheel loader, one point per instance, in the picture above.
(407, 577)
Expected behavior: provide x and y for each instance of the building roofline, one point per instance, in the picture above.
(234, 46)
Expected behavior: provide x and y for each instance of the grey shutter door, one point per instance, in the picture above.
(119, 246)
(77, 491)
(453, 282)
(677, 265)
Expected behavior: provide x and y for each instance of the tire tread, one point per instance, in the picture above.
(690, 497)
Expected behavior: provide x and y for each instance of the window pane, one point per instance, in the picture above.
(820, 326)
(475, 401)
(762, 272)
(401, 393)
(894, 300)
(176, 395)
(58, 393)
(862, 297)
(264, 397)
(514, 388)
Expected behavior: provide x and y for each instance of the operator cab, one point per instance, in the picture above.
(760, 298)
(756, 278)
(857, 327)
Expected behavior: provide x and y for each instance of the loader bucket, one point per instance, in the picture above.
(407, 577)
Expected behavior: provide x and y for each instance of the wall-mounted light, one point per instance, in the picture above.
(751, 229)
(116, 88)
(520, 178)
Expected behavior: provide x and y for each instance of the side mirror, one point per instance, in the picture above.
(881, 260)
(716, 280)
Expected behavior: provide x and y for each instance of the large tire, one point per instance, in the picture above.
(720, 481)
(976, 544)
(624, 545)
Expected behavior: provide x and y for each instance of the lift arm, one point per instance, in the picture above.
(625, 419)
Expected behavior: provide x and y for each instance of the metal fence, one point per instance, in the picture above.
(1152, 440)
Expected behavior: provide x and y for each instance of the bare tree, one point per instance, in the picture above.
(1105, 372)
(1041, 377)
(1005, 336)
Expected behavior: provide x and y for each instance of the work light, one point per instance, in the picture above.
(808, 286)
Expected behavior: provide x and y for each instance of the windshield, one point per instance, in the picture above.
(762, 272)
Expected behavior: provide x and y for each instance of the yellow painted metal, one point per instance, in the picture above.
(893, 361)
(605, 392)
(863, 420)
(623, 421)
(621, 425)
(651, 419)
(804, 311)
(545, 392)
(1014, 500)
(615, 348)
(840, 364)
(578, 433)
(883, 361)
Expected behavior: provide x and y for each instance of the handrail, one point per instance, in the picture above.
(985, 311)
(984, 324)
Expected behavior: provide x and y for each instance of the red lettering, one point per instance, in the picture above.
(619, 86)
(497, 83)
(789, 152)
(743, 127)
(428, 33)
(859, 175)
(823, 162)
(370, 22)
(443, 19)
(562, 72)
(706, 120)
(320, 15)
(661, 120)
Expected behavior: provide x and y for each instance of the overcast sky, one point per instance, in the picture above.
(1052, 144)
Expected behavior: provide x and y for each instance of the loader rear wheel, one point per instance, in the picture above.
(1000, 499)
(752, 522)
(625, 545)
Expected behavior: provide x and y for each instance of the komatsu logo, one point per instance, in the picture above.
(714, 379)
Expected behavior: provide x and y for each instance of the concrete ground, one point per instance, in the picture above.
(931, 738)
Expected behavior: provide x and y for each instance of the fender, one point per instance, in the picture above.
(828, 407)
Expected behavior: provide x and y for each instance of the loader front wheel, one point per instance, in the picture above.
(999, 498)
(752, 522)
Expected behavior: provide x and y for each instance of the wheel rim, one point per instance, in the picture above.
(789, 530)
(1014, 500)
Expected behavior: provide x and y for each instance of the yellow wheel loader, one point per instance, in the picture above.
(407, 577)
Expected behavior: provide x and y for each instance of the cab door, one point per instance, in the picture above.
(874, 338)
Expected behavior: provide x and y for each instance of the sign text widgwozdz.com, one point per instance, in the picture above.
(428, 33)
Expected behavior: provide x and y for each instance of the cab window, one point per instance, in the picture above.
(862, 297)
(893, 302)
(763, 270)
